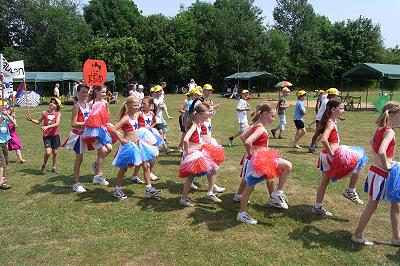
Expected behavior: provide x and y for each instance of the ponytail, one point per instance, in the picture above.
(262, 107)
(389, 108)
(201, 108)
(332, 103)
(124, 108)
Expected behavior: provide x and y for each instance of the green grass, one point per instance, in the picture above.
(44, 222)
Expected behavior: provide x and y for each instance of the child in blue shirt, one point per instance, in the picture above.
(4, 137)
(299, 112)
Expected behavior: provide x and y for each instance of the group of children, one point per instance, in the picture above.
(143, 133)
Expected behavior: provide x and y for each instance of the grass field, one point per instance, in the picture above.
(43, 222)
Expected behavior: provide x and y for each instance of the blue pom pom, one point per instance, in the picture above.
(363, 157)
(145, 135)
(158, 137)
(147, 151)
(90, 132)
(104, 137)
(128, 155)
(393, 184)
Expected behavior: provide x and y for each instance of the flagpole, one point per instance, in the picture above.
(2, 81)
(26, 97)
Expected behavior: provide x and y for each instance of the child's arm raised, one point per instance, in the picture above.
(11, 118)
(35, 121)
(387, 138)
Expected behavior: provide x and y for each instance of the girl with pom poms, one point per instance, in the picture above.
(132, 152)
(261, 163)
(147, 132)
(96, 131)
(51, 138)
(197, 161)
(75, 141)
(336, 161)
(14, 144)
(383, 176)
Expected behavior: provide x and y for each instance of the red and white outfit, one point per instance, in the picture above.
(75, 140)
(375, 185)
(324, 162)
(145, 120)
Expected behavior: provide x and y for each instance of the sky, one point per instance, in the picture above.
(383, 12)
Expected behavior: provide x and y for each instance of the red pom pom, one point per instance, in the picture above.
(195, 163)
(343, 163)
(109, 126)
(98, 116)
(215, 153)
(264, 163)
(89, 140)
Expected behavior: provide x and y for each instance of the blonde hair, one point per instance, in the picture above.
(262, 107)
(124, 108)
(201, 108)
(389, 108)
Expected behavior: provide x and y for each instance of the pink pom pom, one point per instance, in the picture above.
(195, 164)
(215, 153)
(264, 163)
(343, 163)
(98, 116)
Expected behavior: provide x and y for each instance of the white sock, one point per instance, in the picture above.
(210, 193)
(280, 192)
(148, 186)
(318, 205)
(351, 190)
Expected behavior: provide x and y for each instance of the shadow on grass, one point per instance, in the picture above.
(171, 186)
(31, 171)
(218, 216)
(313, 237)
(98, 195)
(171, 161)
(394, 257)
(301, 213)
(159, 204)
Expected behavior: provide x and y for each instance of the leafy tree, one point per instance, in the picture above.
(112, 18)
(392, 55)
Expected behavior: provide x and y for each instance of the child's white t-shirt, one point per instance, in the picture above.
(159, 114)
(242, 116)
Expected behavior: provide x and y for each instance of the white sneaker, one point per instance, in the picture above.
(361, 240)
(218, 189)
(152, 192)
(77, 187)
(153, 177)
(278, 200)
(118, 194)
(244, 217)
(136, 180)
(321, 211)
(98, 179)
(186, 202)
(237, 197)
(353, 196)
(193, 186)
(213, 198)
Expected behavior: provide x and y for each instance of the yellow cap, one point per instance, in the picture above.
(207, 87)
(58, 102)
(333, 91)
(157, 88)
(194, 91)
(321, 92)
(245, 91)
(151, 89)
(301, 93)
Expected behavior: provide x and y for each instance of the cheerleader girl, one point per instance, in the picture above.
(14, 144)
(98, 96)
(132, 151)
(260, 157)
(195, 163)
(51, 139)
(147, 120)
(80, 113)
(377, 184)
(206, 131)
(330, 141)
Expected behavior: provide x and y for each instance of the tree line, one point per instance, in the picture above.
(205, 41)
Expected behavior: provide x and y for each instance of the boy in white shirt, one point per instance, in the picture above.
(241, 114)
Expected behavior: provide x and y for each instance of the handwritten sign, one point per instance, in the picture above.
(94, 72)
(17, 68)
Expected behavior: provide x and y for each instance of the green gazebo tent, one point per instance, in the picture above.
(250, 75)
(370, 71)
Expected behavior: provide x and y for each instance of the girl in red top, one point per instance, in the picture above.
(330, 141)
(51, 139)
(256, 142)
(132, 152)
(383, 144)
(194, 162)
